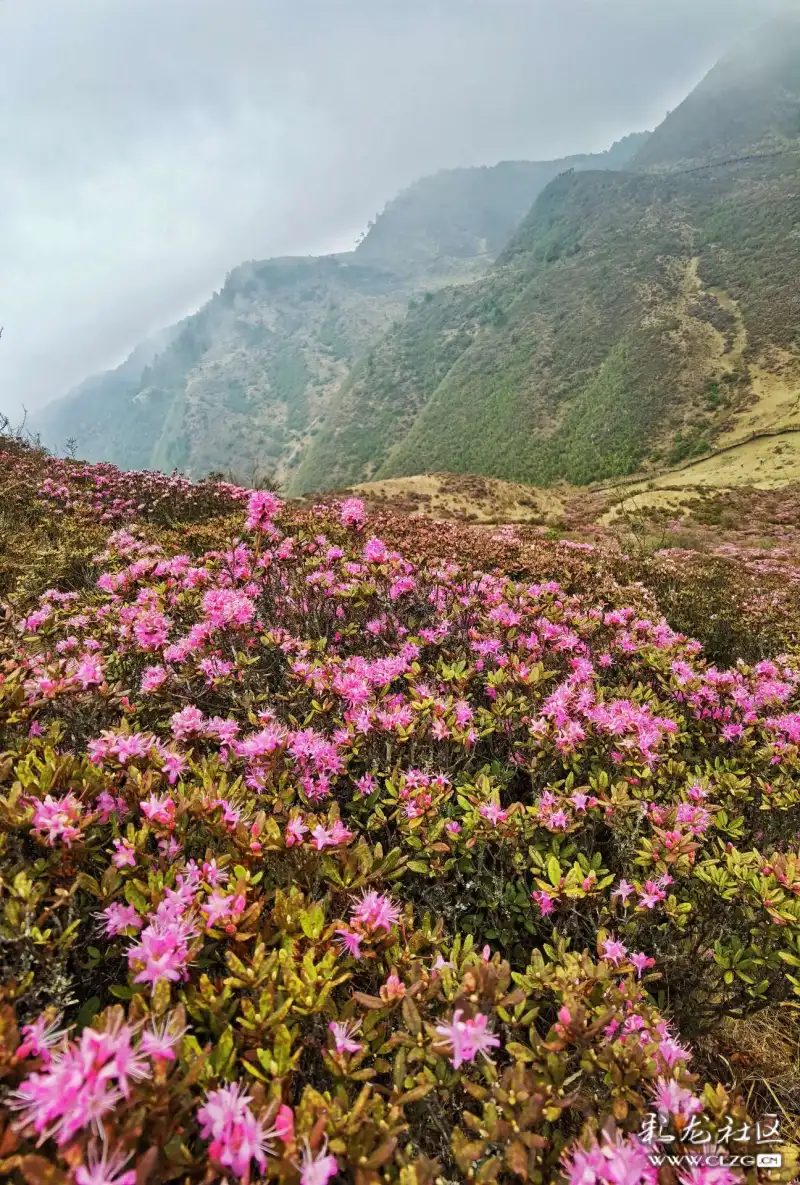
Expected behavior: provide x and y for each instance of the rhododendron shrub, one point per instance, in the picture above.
(321, 863)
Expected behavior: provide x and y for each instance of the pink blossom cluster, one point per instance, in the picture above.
(236, 1137)
(82, 1083)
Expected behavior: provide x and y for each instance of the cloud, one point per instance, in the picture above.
(149, 146)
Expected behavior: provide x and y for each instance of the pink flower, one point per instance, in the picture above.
(118, 918)
(673, 1099)
(317, 1170)
(39, 1038)
(614, 951)
(375, 551)
(352, 513)
(651, 895)
(107, 805)
(349, 943)
(89, 671)
(262, 507)
(214, 875)
(151, 630)
(216, 906)
(393, 989)
(343, 1035)
(237, 1137)
(100, 1168)
(187, 721)
(467, 1038)
(84, 1081)
(284, 1124)
(708, 1174)
(226, 607)
(366, 785)
(173, 765)
(641, 962)
(623, 891)
(623, 1162)
(492, 812)
(671, 1052)
(544, 901)
(125, 855)
(159, 1041)
(152, 679)
(58, 818)
(159, 810)
(339, 834)
(162, 952)
(321, 837)
(295, 830)
(374, 911)
(558, 820)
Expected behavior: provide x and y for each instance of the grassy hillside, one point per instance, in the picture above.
(634, 319)
(243, 384)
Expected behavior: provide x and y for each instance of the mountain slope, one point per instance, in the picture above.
(632, 318)
(749, 101)
(469, 213)
(239, 381)
(243, 384)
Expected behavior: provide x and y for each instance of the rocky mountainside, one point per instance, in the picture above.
(635, 318)
(246, 383)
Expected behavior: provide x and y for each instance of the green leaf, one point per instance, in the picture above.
(223, 1053)
(312, 921)
(88, 1012)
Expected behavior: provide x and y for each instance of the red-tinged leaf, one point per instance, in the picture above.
(146, 1165)
(415, 1094)
(490, 1169)
(517, 1159)
(383, 1154)
(9, 1141)
(368, 1001)
(38, 1171)
(411, 1016)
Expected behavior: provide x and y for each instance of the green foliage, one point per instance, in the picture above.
(363, 799)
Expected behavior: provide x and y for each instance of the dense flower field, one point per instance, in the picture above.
(321, 864)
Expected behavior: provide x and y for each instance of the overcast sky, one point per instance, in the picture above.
(149, 146)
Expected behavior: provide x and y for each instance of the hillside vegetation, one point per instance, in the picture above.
(243, 385)
(339, 846)
(633, 319)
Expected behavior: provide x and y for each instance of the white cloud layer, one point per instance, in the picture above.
(149, 146)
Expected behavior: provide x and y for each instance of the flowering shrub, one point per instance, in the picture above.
(322, 864)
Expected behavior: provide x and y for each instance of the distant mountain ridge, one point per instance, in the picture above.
(471, 212)
(635, 318)
(749, 101)
(246, 383)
